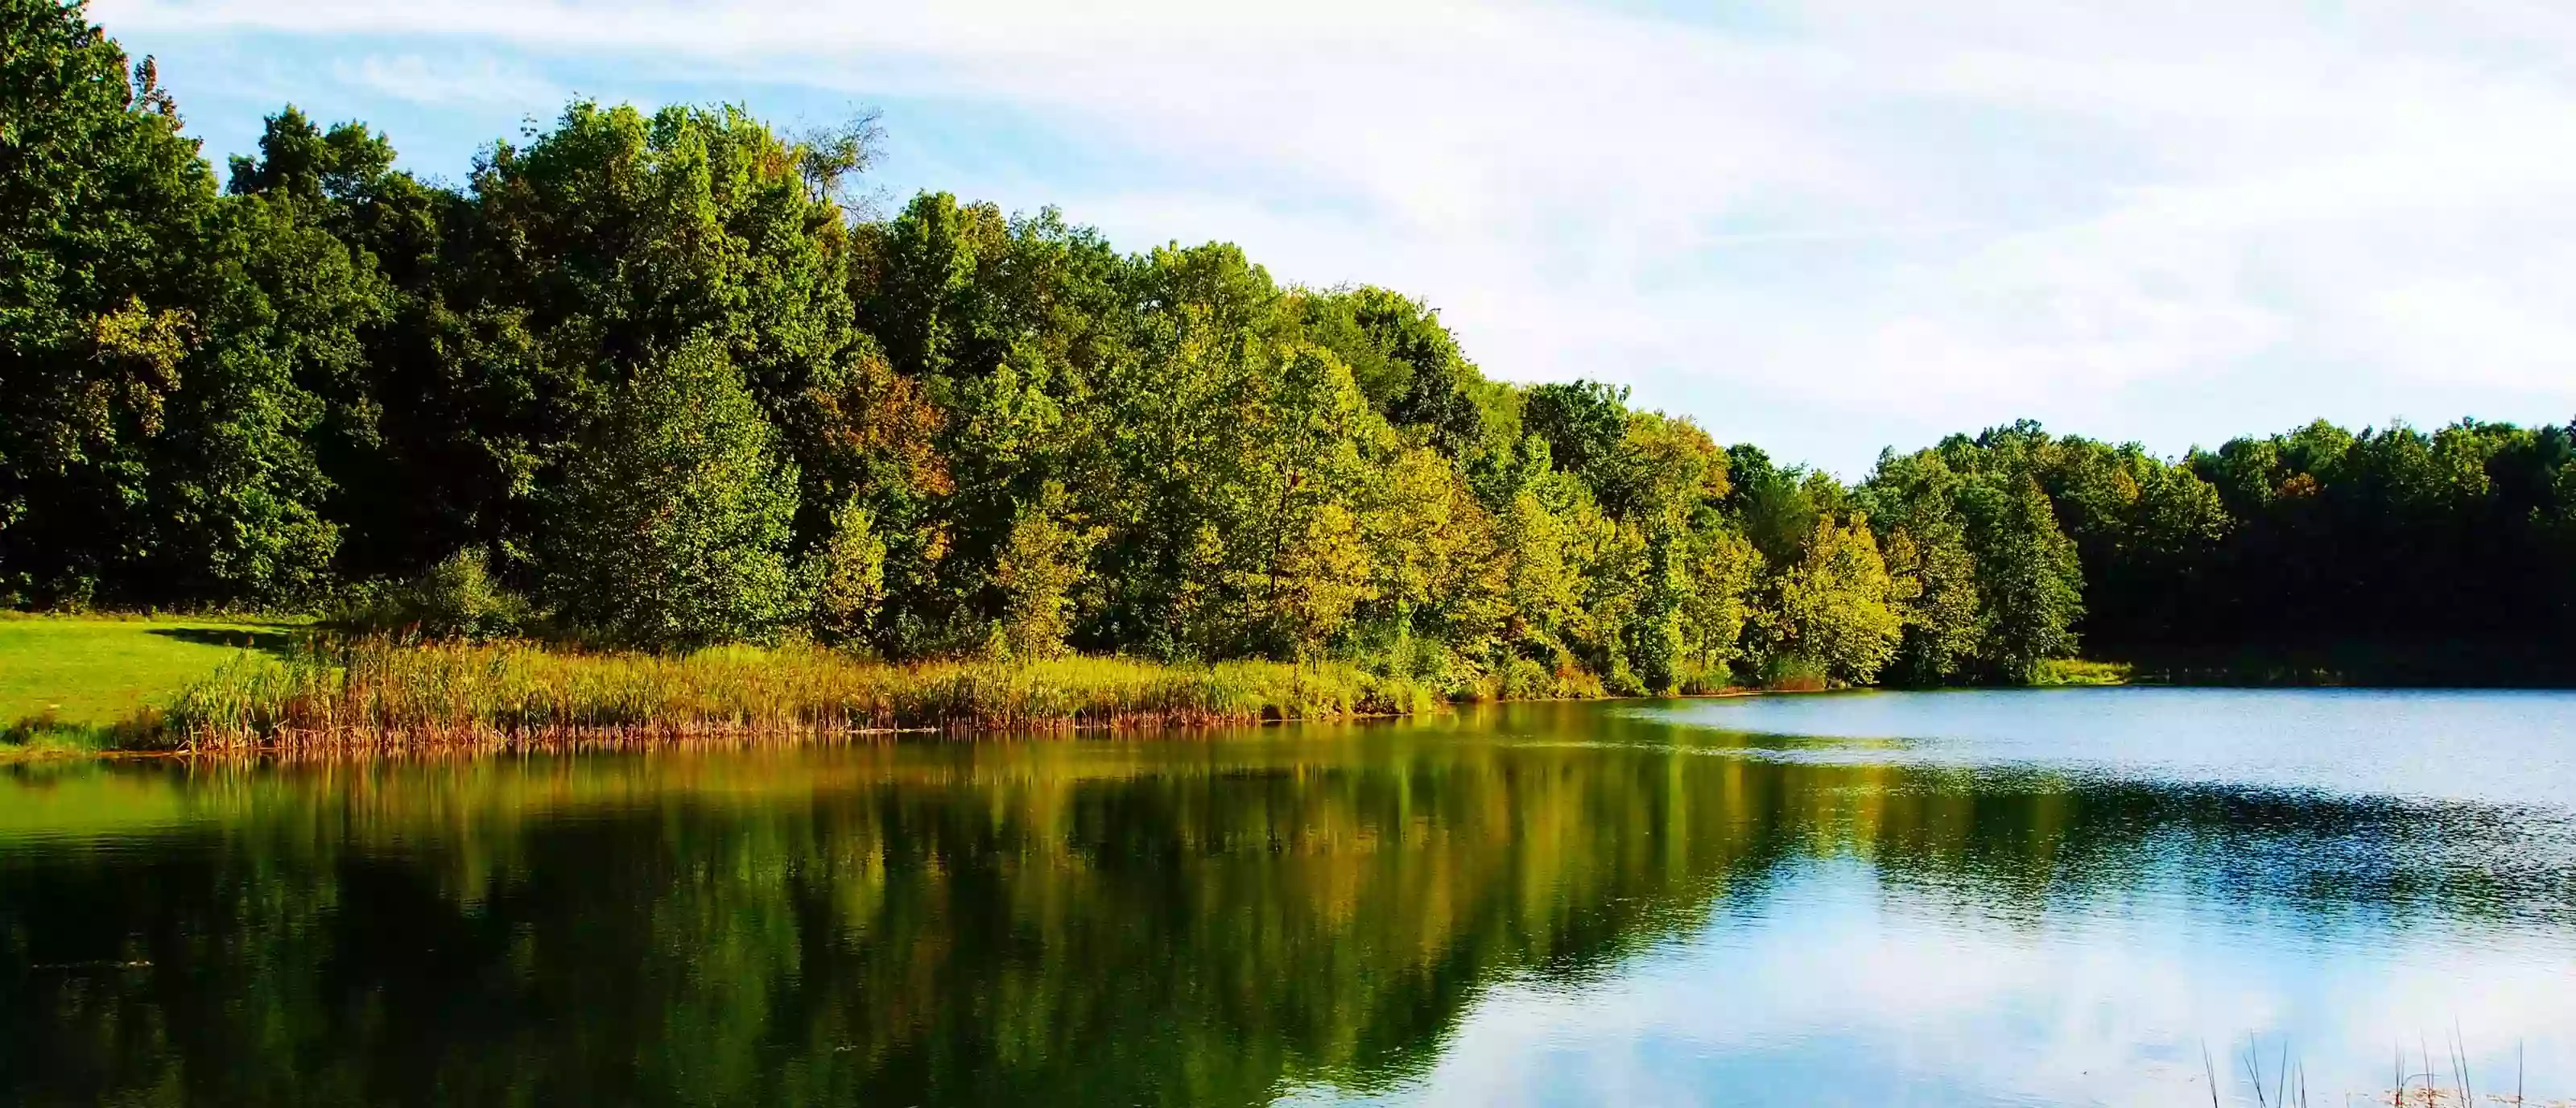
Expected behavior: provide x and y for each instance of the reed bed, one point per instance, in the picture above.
(379, 693)
(2077, 671)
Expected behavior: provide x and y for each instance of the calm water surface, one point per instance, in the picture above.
(1931, 898)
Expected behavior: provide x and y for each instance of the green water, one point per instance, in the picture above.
(1970, 898)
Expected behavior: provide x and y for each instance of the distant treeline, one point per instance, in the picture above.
(651, 379)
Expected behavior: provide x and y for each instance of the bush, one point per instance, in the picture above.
(459, 598)
(1037, 571)
(1795, 673)
(1518, 678)
(456, 599)
(1622, 680)
(1522, 679)
(1695, 680)
(1430, 664)
(2076, 671)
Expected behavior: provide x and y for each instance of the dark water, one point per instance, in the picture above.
(1942, 898)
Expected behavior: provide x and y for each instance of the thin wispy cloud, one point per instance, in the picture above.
(1826, 227)
(417, 79)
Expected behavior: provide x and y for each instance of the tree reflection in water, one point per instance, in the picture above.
(1202, 921)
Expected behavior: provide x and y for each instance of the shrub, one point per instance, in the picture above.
(1696, 680)
(1795, 673)
(2076, 671)
(456, 599)
(459, 598)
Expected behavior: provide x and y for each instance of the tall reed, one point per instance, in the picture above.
(378, 692)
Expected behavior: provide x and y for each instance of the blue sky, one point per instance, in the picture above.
(1825, 227)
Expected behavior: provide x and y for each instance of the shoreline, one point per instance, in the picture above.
(311, 692)
(377, 694)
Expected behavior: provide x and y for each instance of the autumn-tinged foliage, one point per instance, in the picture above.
(649, 382)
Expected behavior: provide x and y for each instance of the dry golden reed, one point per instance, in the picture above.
(376, 692)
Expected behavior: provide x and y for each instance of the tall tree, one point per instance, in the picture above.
(1912, 505)
(674, 520)
(1835, 607)
(102, 203)
(2027, 576)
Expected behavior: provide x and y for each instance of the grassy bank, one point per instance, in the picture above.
(70, 684)
(374, 693)
(77, 685)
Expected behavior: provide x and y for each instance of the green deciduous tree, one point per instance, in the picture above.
(2027, 577)
(1041, 565)
(1912, 504)
(674, 520)
(1721, 569)
(1836, 606)
(102, 203)
(846, 574)
(1583, 424)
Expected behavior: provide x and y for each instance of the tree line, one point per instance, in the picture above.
(652, 379)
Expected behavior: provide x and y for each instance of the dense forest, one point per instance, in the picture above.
(653, 379)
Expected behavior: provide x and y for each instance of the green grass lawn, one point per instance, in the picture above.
(94, 671)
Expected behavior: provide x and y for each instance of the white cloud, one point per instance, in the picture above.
(1827, 227)
(421, 80)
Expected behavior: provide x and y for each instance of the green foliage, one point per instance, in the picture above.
(1715, 602)
(1654, 636)
(1795, 673)
(1542, 585)
(1987, 583)
(674, 518)
(1774, 507)
(1834, 608)
(2027, 577)
(1406, 364)
(1934, 577)
(1038, 571)
(102, 203)
(847, 576)
(1582, 424)
(457, 598)
(2075, 671)
(682, 393)
(1913, 505)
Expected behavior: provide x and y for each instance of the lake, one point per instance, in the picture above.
(1991, 897)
